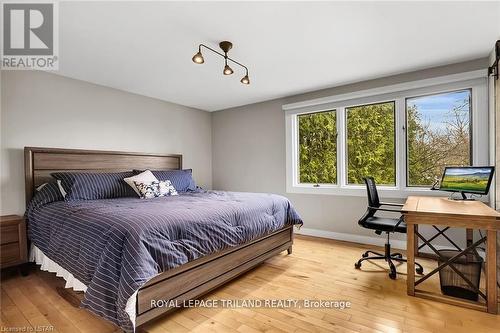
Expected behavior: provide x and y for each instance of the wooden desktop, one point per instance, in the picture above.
(458, 214)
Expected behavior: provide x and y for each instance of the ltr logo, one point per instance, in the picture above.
(28, 29)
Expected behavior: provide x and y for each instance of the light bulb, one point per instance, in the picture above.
(245, 79)
(227, 70)
(198, 58)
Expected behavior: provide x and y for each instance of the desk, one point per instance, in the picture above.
(461, 214)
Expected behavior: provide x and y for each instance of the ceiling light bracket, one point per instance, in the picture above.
(226, 46)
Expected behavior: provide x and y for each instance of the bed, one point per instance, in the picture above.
(135, 258)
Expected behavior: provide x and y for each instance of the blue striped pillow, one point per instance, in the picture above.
(181, 179)
(46, 193)
(92, 186)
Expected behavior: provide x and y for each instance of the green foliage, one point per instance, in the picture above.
(318, 148)
(430, 149)
(370, 143)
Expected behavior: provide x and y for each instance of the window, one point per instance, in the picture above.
(371, 149)
(318, 147)
(438, 135)
(402, 135)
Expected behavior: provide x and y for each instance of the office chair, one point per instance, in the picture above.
(382, 224)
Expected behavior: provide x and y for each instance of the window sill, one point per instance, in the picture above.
(360, 191)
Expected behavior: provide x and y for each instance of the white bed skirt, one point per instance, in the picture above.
(48, 265)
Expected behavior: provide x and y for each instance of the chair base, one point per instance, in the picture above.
(389, 257)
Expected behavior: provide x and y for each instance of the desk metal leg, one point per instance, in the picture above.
(491, 271)
(440, 232)
(410, 256)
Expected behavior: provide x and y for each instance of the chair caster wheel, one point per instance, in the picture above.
(392, 275)
(364, 255)
(357, 265)
(419, 270)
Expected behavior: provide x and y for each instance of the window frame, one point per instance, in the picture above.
(480, 138)
(471, 132)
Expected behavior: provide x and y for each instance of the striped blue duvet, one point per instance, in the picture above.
(114, 246)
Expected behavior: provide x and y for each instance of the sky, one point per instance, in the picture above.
(465, 171)
(434, 108)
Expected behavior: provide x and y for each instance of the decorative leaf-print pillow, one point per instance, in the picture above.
(154, 189)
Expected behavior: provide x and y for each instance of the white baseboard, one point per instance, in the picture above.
(378, 241)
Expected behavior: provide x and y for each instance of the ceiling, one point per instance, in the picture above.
(289, 47)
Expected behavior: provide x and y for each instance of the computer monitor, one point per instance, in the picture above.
(474, 179)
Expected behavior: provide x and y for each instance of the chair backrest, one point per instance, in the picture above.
(371, 189)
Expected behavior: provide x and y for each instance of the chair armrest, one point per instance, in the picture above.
(391, 204)
(401, 219)
(385, 209)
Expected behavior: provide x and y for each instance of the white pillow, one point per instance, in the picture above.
(144, 177)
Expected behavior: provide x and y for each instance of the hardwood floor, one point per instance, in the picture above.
(317, 269)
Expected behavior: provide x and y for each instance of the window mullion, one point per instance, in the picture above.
(295, 150)
(401, 157)
(341, 147)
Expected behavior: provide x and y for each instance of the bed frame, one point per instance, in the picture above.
(180, 284)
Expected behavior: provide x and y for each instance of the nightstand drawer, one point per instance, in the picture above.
(10, 254)
(13, 242)
(9, 234)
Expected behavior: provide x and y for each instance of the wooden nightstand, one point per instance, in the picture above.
(14, 246)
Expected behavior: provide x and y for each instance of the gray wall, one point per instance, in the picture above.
(46, 110)
(249, 153)
(245, 145)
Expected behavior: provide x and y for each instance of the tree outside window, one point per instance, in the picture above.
(318, 147)
(371, 141)
(438, 135)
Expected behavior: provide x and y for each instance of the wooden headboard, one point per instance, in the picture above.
(39, 163)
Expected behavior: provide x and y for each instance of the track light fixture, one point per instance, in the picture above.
(225, 46)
